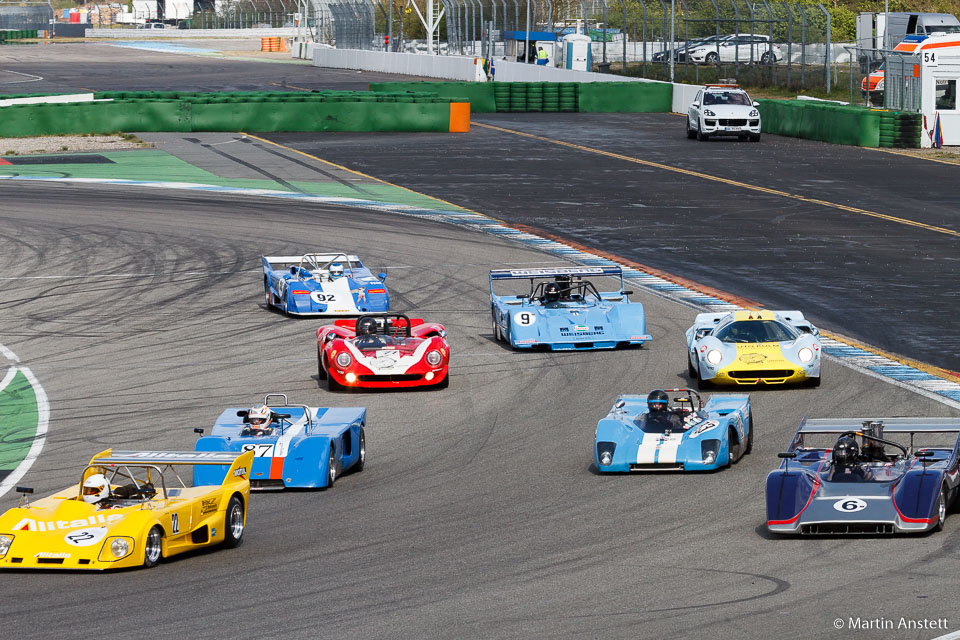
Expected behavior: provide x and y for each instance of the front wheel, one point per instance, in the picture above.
(701, 136)
(701, 383)
(766, 58)
(941, 510)
(749, 437)
(233, 524)
(362, 458)
(497, 335)
(690, 370)
(333, 385)
(712, 58)
(754, 137)
(443, 384)
(736, 448)
(331, 469)
(153, 547)
(267, 296)
(814, 382)
(321, 372)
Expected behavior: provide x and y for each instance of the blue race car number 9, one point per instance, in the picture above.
(524, 318)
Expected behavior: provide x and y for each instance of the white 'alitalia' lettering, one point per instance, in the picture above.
(29, 524)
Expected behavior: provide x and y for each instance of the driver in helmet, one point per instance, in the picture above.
(551, 293)
(658, 417)
(96, 489)
(260, 421)
(336, 271)
(847, 466)
(565, 283)
(367, 337)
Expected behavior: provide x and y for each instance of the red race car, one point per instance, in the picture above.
(383, 351)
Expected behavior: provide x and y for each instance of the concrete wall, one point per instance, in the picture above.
(141, 34)
(520, 72)
(410, 64)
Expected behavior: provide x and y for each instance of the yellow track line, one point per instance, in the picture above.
(734, 183)
(941, 373)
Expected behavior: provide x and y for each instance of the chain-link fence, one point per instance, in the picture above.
(25, 15)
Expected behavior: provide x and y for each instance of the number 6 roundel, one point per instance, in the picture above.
(524, 318)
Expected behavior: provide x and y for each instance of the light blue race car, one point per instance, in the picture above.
(293, 445)
(651, 434)
(323, 284)
(562, 311)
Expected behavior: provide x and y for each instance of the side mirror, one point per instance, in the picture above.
(620, 404)
(756, 104)
(790, 455)
(696, 104)
(198, 431)
(382, 276)
(627, 293)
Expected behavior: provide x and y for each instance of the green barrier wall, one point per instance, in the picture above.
(839, 124)
(626, 97)
(250, 111)
(479, 94)
(605, 97)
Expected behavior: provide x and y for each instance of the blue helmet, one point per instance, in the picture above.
(658, 400)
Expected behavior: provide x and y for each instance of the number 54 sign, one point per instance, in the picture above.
(930, 58)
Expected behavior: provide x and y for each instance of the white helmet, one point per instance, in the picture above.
(95, 488)
(260, 416)
(336, 271)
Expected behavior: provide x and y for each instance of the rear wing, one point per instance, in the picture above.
(541, 274)
(890, 425)
(238, 464)
(275, 263)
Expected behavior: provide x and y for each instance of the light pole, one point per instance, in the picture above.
(672, 37)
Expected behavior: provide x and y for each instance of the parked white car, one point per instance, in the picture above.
(723, 110)
(738, 48)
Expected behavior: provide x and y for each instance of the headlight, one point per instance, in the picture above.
(120, 547)
(606, 458)
(605, 453)
(344, 359)
(754, 113)
(707, 112)
(805, 354)
(709, 458)
(434, 358)
(880, 86)
(709, 450)
(714, 356)
(5, 545)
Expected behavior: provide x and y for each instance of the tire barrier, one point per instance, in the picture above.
(115, 111)
(525, 97)
(273, 44)
(825, 121)
(8, 35)
(900, 129)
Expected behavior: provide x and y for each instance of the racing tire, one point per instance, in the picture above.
(736, 450)
(153, 547)
(754, 137)
(362, 458)
(767, 58)
(941, 510)
(233, 525)
(267, 296)
(712, 58)
(331, 469)
(286, 303)
(749, 437)
(702, 137)
(814, 382)
(321, 372)
(691, 134)
(443, 384)
(690, 370)
(701, 383)
(497, 334)
(333, 385)
(743, 137)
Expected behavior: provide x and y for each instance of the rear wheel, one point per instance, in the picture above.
(233, 524)
(321, 372)
(497, 335)
(153, 547)
(736, 448)
(267, 297)
(767, 58)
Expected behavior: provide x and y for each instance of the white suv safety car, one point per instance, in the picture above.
(723, 110)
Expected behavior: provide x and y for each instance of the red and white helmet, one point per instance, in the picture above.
(260, 416)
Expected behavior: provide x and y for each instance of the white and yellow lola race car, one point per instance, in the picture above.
(130, 509)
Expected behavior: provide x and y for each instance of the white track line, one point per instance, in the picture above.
(43, 420)
(32, 77)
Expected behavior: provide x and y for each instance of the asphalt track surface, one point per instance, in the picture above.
(478, 514)
(884, 282)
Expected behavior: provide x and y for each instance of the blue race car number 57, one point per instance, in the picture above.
(850, 505)
(524, 318)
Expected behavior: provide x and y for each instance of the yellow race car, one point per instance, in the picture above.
(130, 509)
(750, 347)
